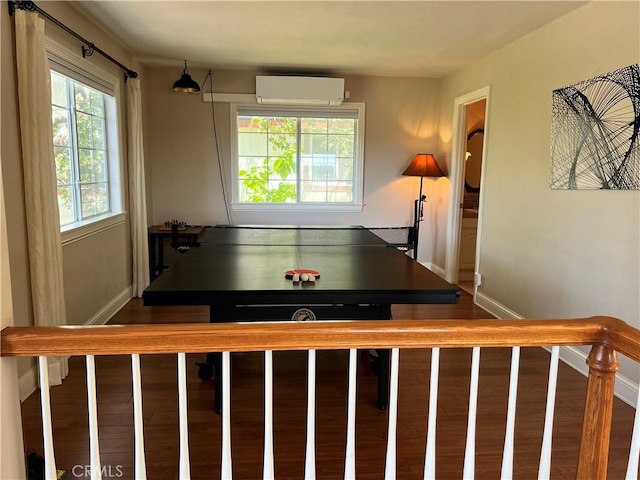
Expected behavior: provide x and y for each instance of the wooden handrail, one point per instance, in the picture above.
(254, 336)
(607, 336)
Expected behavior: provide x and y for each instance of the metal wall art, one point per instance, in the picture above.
(594, 133)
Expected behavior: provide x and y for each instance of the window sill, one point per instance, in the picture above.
(79, 230)
(297, 207)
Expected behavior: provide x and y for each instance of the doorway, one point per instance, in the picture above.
(465, 208)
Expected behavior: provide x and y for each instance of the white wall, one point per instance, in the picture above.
(544, 253)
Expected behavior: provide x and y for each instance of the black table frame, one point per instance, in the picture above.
(233, 313)
(214, 275)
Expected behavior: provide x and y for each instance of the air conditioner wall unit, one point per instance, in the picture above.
(285, 90)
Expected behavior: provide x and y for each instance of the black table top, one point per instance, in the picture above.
(289, 235)
(245, 266)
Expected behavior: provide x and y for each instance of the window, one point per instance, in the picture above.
(297, 158)
(85, 141)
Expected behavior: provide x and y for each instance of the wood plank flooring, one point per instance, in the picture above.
(115, 410)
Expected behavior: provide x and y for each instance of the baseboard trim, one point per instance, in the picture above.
(625, 389)
(111, 308)
(434, 268)
(28, 382)
(495, 308)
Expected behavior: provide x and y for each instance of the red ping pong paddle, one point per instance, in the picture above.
(290, 273)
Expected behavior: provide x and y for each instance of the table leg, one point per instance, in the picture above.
(383, 378)
(216, 359)
(383, 359)
(152, 258)
(160, 255)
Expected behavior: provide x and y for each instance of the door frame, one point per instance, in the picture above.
(458, 157)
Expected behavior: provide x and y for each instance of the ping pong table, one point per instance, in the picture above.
(239, 272)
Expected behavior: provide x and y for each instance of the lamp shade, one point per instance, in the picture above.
(186, 83)
(423, 165)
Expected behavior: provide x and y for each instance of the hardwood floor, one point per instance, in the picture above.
(115, 410)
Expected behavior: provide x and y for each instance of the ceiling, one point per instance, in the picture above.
(382, 38)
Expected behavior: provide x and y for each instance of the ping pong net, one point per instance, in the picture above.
(266, 235)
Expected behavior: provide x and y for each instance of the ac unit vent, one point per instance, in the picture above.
(283, 90)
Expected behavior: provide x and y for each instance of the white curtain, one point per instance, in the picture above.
(137, 192)
(40, 184)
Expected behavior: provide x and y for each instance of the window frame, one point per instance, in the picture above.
(358, 170)
(65, 62)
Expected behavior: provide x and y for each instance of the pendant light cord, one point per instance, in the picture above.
(219, 157)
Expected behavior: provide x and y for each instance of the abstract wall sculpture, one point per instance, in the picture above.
(594, 133)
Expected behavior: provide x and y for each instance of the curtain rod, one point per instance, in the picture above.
(86, 51)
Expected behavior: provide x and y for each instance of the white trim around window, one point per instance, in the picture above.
(346, 110)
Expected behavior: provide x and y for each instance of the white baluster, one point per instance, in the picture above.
(544, 469)
(268, 467)
(185, 468)
(470, 448)
(507, 454)
(226, 467)
(430, 454)
(634, 451)
(138, 420)
(47, 430)
(390, 464)
(94, 445)
(310, 450)
(350, 454)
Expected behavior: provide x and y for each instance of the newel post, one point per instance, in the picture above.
(596, 426)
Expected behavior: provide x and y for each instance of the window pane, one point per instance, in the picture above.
(315, 144)
(246, 165)
(341, 145)
(88, 199)
(62, 157)
(282, 167)
(60, 121)
(313, 191)
(82, 95)
(97, 132)
(249, 124)
(339, 191)
(314, 125)
(85, 166)
(279, 124)
(282, 144)
(344, 169)
(65, 205)
(281, 192)
(95, 199)
(254, 143)
(100, 167)
(58, 90)
(97, 103)
(342, 125)
(102, 197)
(84, 130)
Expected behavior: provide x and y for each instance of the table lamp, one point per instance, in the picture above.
(423, 165)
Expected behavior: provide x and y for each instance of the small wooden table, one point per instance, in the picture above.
(156, 236)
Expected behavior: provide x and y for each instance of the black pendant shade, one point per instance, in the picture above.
(186, 83)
